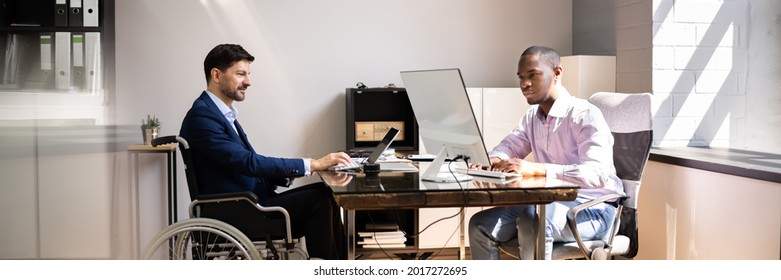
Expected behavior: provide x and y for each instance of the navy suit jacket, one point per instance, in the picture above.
(224, 161)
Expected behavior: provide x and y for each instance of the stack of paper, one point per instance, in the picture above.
(382, 235)
(382, 239)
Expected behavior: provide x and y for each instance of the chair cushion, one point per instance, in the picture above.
(570, 250)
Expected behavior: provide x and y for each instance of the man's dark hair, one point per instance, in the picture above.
(544, 54)
(223, 57)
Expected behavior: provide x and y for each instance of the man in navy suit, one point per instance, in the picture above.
(225, 162)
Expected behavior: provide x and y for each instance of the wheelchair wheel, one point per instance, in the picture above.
(201, 239)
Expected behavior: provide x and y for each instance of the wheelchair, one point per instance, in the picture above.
(215, 232)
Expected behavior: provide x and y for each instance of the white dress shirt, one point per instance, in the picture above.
(573, 141)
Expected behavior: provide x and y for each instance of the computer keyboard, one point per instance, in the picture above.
(341, 167)
(487, 173)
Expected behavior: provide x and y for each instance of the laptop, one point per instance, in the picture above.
(383, 145)
(374, 156)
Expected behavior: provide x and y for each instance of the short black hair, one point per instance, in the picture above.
(544, 54)
(223, 57)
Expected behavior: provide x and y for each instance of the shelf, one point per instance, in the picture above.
(33, 29)
(370, 111)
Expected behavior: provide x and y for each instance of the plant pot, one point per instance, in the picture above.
(149, 134)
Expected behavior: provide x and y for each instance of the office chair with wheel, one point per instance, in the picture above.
(630, 120)
(225, 226)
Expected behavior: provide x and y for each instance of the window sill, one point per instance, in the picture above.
(748, 164)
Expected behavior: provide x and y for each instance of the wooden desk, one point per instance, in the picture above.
(170, 151)
(406, 190)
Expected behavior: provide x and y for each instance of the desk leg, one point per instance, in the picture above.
(170, 160)
(134, 207)
(172, 214)
(539, 249)
(172, 173)
(462, 232)
(350, 234)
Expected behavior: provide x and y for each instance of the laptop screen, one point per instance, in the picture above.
(384, 144)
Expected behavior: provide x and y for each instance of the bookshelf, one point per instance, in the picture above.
(61, 142)
(43, 59)
(371, 110)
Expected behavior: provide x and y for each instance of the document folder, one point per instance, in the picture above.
(78, 77)
(75, 17)
(92, 61)
(11, 62)
(46, 52)
(62, 60)
(42, 77)
(61, 13)
(90, 12)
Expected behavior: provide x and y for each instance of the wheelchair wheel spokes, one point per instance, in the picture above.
(201, 239)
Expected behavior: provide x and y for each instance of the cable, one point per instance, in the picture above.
(461, 209)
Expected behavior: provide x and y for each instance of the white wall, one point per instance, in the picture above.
(712, 65)
(699, 72)
(307, 53)
(763, 86)
(692, 214)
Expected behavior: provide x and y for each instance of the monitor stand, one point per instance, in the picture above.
(434, 174)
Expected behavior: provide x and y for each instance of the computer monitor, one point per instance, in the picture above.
(446, 122)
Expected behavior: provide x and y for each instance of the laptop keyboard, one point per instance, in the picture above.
(341, 167)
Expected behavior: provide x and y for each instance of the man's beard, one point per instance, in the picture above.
(235, 95)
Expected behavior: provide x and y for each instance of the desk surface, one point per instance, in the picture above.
(406, 190)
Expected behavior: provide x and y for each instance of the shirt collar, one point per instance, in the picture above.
(560, 106)
(230, 113)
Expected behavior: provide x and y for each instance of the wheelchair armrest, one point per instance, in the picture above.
(223, 196)
(250, 198)
(170, 139)
(574, 211)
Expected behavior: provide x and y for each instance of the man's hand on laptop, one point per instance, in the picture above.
(329, 160)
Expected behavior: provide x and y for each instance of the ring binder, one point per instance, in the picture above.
(92, 60)
(62, 60)
(77, 76)
(75, 17)
(61, 12)
(90, 12)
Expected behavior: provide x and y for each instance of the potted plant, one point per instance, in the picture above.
(149, 129)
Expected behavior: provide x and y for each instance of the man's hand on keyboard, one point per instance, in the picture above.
(497, 165)
(329, 160)
(476, 166)
(510, 165)
(483, 167)
(523, 167)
